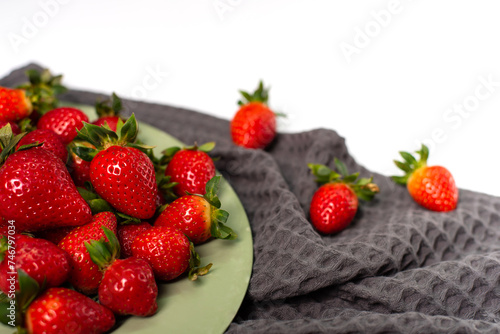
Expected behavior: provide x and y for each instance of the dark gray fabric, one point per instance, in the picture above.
(396, 269)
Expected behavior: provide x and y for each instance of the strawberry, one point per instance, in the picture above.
(433, 187)
(108, 112)
(42, 260)
(61, 310)
(191, 168)
(85, 275)
(169, 252)
(37, 96)
(254, 124)
(128, 286)
(50, 141)
(14, 127)
(127, 234)
(120, 173)
(79, 168)
(64, 122)
(198, 217)
(36, 190)
(335, 203)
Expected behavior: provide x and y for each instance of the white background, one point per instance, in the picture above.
(396, 88)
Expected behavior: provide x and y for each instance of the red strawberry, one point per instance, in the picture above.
(85, 275)
(64, 122)
(254, 125)
(122, 175)
(61, 310)
(191, 168)
(36, 96)
(14, 127)
(50, 140)
(14, 104)
(169, 253)
(42, 260)
(36, 191)
(79, 168)
(128, 286)
(335, 203)
(198, 217)
(433, 187)
(127, 234)
(109, 112)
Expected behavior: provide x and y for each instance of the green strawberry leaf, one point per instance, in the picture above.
(99, 205)
(194, 262)
(126, 219)
(128, 132)
(103, 253)
(341, 167)
(207, 147)
(85, 153)
(28, 290)
(169, 152)
(211, 190)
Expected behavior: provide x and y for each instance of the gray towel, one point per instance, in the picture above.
(397, 268)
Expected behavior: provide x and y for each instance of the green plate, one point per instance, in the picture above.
(209, 304)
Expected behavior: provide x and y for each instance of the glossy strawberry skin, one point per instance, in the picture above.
(253, 126)
(166, 250)
(112, 121)
(51, 142)
(191, 169)
(61, 310)
(127, 234)
(433, 188)
(125, 178)
(333, 207)
(129, 287)
(40, 259)
(85, 276)
(37, 192)
(190, 215)
(64, 122)
(14, 105)
(13, 126)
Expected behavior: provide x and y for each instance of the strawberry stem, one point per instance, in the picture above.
(410, 164)
(261, 95)
(364, 188)
(102, 252)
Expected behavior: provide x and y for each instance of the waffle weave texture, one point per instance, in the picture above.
(397, 268)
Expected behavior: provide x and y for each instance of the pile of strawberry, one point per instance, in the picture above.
(88, 213)
(86, 210)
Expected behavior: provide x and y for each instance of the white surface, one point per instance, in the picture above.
(391, 95)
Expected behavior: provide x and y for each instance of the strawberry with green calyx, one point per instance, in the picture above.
(198, 216)
(26, 177)
(108, 112)
(432, 187)
(40, 259)
(254, 124)
(169, 252)
(120, 172)
(190, 168)
(85, 275)
(128, 286)
(35, 97)
(335, 203)
(61, 310)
